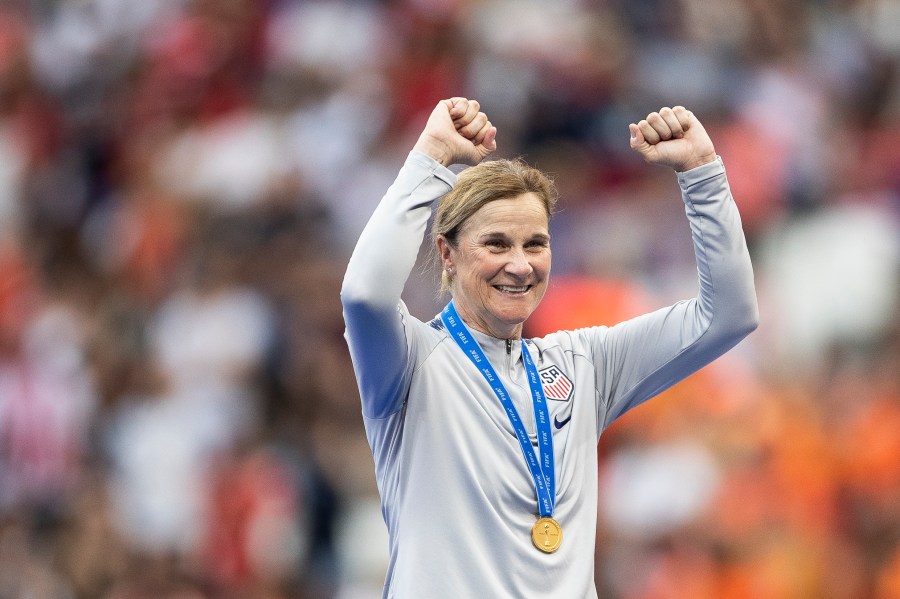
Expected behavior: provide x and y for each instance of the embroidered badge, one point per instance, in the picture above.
(556, 384)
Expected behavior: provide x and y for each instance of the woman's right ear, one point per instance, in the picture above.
(444, 251)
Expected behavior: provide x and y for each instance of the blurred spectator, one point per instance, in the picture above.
(832, 278)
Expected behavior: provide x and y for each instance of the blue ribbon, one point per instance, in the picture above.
(542, 470)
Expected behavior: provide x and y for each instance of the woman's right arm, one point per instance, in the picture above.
(456, 133)
(378, 268)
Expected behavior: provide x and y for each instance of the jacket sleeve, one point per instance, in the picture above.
(376, 273)
(641, 357)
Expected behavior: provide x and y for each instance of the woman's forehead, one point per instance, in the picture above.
(525, 211)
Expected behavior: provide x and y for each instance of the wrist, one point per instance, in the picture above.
(434, 149)
(697, 162)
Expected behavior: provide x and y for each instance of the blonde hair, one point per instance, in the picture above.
(480, 184)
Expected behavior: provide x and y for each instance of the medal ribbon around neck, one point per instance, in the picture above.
(542, 470)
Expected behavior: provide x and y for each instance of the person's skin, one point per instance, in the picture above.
(500, 265)
(457, 132)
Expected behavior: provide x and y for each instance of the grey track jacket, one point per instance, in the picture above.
(457, 496)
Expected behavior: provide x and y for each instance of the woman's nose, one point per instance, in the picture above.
(518, 264)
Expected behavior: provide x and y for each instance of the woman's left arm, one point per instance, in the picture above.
(643, 356)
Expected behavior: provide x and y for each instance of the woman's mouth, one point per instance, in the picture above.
(512, 289)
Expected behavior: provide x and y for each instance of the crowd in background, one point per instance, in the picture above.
(181, 183)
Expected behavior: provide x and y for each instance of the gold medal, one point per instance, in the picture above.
(546, 534)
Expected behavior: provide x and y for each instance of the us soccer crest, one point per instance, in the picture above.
(556, 384)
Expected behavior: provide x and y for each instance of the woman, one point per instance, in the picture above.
(484, 443)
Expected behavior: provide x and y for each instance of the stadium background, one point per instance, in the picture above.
(181, 184)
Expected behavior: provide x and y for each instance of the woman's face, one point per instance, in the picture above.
(501, 265)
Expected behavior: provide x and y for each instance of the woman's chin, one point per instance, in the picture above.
(511, 321)
(515, 310)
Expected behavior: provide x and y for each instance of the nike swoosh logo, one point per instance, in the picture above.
(561, 423)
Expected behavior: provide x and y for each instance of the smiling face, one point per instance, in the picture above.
(500, 264)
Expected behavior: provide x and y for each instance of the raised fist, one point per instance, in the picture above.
(672, 137)
(457, 132)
